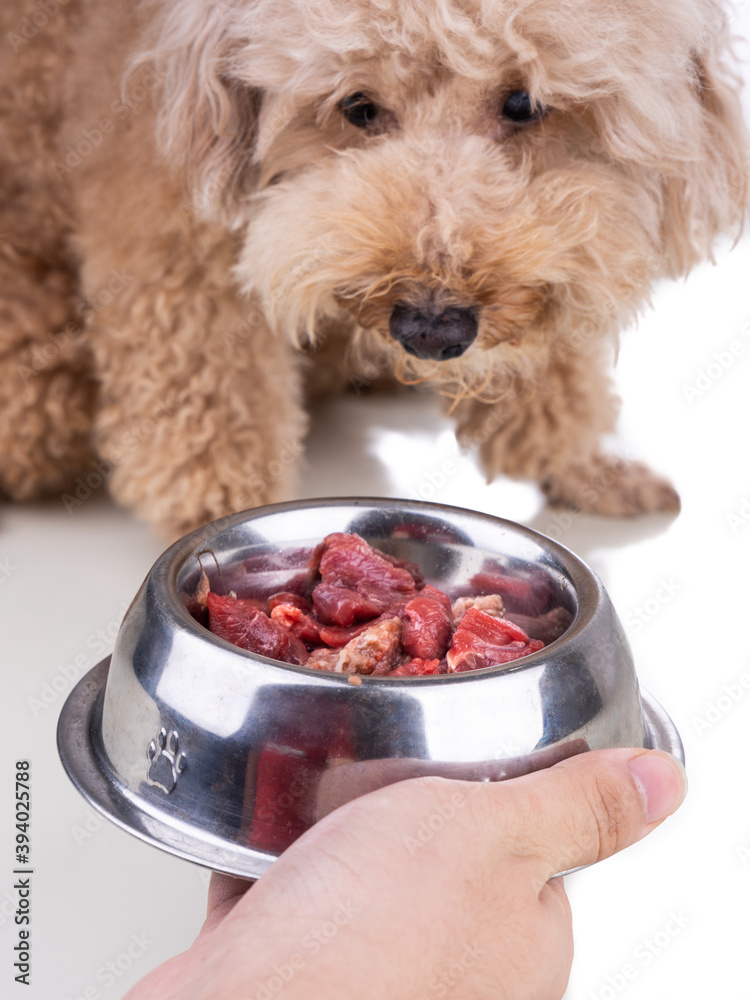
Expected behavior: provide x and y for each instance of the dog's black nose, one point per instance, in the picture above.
(437, 336)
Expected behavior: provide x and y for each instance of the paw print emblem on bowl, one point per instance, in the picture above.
(167, 760)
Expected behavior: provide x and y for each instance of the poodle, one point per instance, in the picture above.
(212, 210)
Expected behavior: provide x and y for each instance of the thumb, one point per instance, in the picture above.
(590, 806)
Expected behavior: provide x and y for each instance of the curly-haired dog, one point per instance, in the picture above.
(212, 208)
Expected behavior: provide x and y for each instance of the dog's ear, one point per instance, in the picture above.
(207, 118)
(707, 192)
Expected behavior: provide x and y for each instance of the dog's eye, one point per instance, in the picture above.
(519, 108)
(359, 110)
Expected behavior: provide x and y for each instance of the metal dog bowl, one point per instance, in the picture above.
(224, 757)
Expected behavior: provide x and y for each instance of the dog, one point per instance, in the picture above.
(212, 211)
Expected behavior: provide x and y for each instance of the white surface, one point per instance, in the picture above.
(664, 921)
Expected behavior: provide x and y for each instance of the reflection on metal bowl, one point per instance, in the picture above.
(225, 757)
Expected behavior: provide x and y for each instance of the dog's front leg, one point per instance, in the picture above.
(199, 410)
(549, 429)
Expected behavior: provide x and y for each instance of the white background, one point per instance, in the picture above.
(65, 580)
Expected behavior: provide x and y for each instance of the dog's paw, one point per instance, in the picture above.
(166, 759)
(611, 486)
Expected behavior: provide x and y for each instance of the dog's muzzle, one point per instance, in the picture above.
(434, 336)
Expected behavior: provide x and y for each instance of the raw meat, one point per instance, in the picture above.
(427, 625)
(491, 604)
(350, 609)
(242, 623)
(483, 641)
(377, 650)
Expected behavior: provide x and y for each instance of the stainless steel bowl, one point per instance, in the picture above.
(224, 757)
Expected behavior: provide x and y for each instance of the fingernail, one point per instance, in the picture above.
(662, 782)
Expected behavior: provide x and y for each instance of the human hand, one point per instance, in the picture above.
(427, 887)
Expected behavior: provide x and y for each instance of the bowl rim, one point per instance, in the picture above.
(169, 565)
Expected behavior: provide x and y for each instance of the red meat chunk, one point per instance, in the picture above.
(483, 641)
(286, 597)
(350, 562)
(294, 620)
(435, 595)
(336, 605)
(412, 568)
(427, 625)
(242, 623)
(358, 582)
(337, 636)
(416, 668)
(376, 650)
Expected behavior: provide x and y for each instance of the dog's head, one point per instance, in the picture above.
(472, 180)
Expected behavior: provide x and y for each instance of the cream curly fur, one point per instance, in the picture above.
(192, 232)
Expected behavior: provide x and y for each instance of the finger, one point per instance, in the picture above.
(589, 807)
(223, 892)
(556, 925)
